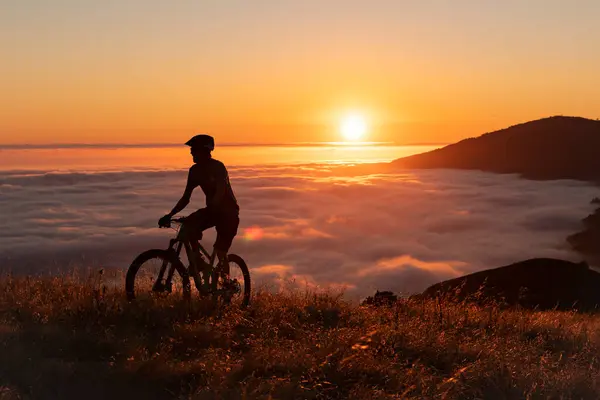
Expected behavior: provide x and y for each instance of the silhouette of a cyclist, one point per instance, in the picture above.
(221, 211)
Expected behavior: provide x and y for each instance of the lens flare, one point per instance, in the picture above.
(253, 233)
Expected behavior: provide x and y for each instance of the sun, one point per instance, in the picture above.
(353, 127)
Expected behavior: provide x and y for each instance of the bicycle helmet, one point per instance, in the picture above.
(202, 141)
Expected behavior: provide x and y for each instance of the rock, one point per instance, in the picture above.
(384, 298)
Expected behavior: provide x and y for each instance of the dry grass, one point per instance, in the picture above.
(64, 339)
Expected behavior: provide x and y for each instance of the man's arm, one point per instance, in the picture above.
(187, 195)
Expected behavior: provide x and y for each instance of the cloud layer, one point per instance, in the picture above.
(310, 224)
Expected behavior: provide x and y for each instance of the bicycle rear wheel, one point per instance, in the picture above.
(144, 278)
(237, 290)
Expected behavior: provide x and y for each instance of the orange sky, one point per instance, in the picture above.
(279, 71)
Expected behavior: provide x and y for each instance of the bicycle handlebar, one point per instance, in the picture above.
(179, 220)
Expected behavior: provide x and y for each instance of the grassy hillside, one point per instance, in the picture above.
(60, 338)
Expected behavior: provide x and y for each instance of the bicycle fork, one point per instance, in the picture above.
(160, 285)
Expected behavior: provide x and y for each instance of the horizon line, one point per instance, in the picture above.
(42, 146)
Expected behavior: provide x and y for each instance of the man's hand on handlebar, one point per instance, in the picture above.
(165, 222)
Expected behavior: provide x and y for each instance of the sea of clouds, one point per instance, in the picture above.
(305, 224)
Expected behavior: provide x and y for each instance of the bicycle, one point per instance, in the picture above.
(143, 278)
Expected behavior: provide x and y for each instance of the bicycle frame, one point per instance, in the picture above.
(175, 246)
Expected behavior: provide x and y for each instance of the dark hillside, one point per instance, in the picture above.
(586, 241)
(549, 148)
(539, 283)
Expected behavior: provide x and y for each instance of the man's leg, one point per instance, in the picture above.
(194, 225)
(223, 262)
(227, 227)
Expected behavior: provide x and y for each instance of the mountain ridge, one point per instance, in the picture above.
(557, 147)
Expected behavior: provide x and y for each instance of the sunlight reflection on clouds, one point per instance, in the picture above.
(310, 224)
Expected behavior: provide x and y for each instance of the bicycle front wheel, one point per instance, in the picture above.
(157, 274)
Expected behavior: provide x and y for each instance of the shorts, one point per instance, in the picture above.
(226, 224)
